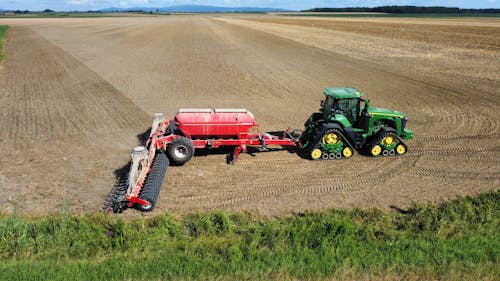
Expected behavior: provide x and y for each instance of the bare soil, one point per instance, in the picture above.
(76, 93)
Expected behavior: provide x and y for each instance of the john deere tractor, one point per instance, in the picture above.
(346, 122)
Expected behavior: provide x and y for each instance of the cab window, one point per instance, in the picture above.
(349, 108)
(328, 104)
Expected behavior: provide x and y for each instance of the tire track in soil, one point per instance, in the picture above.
(199, 61)
(444, 175)
(46, 94)
(63, 129)
(290, 186)
(451, 116)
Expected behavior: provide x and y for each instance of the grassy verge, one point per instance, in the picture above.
(3, 35)
(392, 15)
(458, 240)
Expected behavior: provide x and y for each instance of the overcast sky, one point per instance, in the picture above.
(66, 5)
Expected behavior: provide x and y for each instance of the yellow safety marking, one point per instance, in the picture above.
(400, 116)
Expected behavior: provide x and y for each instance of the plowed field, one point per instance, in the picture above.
(76, 93)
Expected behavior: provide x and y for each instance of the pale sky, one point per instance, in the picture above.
(83, 5)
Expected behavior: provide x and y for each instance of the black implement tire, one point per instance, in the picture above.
(154, 181)
(180, 150)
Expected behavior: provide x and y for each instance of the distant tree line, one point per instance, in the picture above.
(44, 11)
(406, 10)
(27, 11)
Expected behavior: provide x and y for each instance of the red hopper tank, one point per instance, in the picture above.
(214, 123)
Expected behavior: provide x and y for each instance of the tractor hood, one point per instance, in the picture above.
(386, 112)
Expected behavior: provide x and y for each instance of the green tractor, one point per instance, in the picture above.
(346, 122)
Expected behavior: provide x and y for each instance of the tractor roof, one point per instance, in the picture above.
(342, 93)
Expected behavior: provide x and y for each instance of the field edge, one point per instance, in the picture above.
(449, 241)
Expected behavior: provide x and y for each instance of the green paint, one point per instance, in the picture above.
(342, 93)
(341, 119)
(335, 148)
(344, 106)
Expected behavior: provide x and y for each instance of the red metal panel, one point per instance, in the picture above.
(215, 124)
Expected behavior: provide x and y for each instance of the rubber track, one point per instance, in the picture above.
(154, 180)
(344, 139)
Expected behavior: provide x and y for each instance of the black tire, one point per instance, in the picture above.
(180, 151)
(154, 181)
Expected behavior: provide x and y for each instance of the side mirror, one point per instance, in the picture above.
(322, 103)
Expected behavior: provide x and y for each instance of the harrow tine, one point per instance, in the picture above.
(116, 201)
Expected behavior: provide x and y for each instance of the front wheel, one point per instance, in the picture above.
(180, 150)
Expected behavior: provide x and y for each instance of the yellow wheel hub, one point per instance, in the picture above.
(376, 150)
(401, 149)
(331, 138)
(388, 140)
(347, 152)
(316, 153)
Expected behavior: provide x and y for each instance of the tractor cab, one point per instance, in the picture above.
(345, 105)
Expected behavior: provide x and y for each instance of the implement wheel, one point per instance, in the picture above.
(180, 151)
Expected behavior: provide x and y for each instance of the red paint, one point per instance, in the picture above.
(215, 124)
(207, 129)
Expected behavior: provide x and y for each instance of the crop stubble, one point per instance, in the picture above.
(75, 95)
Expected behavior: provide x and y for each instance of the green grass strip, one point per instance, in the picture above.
(457, 240)
(3, 34)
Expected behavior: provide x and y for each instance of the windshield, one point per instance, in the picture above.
(327, 106)
(349, 108)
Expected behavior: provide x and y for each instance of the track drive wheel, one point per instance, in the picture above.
(331, 137)
(332, 145)
(391, 144)
(180, 150)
